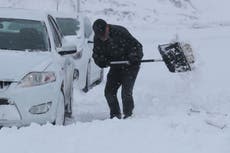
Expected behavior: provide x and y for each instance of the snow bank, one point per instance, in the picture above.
(155, 12)
(177, 134)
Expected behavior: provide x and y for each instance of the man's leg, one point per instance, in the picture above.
(128, 80)
(111, 88)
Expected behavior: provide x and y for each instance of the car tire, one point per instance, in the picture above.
(87, 82)
(101, 77)
(60, 112)
(69, 107)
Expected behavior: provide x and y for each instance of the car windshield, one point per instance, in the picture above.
(68, 26)
(23, 35)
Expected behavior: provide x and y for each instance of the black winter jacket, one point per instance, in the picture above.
(121, 45)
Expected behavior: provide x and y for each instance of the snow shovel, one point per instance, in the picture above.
(176, 56)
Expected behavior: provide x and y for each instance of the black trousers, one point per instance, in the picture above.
(124, 77)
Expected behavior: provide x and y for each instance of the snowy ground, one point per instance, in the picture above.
(176, 113)
(163, 121)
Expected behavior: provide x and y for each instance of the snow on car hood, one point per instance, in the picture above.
(16, 64)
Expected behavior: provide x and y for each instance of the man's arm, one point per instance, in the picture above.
(98, 55)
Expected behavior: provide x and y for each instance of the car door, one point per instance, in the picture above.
(94, 70)
(64, 60)
(82, 62)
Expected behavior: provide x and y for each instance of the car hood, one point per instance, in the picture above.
(16, 64)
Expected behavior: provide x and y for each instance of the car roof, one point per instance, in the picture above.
(63, 15)
(16, 13)
(73, 15)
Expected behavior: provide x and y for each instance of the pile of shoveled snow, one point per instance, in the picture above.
(179, 133)
(142, 12)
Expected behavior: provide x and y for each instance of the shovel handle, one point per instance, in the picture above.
(151, 60)
(142, 61)
(119, 62)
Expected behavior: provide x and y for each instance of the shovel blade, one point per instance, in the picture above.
(174, 57)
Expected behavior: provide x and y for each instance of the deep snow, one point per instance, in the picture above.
(172, 110)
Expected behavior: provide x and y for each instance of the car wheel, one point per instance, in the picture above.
(87, 83)
(69, 108)
(101, 77)
(60, 113)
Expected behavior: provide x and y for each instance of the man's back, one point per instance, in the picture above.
(119, 45)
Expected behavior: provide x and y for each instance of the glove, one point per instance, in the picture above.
(103, 64)
(134, 61)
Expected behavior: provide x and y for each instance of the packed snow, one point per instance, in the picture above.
(174, 112)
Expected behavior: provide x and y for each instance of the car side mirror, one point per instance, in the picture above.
(78, 55)
(67, 48)
(1, 26)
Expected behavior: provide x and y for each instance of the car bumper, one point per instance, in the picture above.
(21, 100)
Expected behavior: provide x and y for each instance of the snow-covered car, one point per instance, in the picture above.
(78, 29)
(37, 69)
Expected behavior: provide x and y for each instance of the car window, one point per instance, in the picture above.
(68, 26)
(88, 27)
(23, 35)
(56, 34)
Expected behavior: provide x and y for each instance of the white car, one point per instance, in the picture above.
(37, 69)
(78, 29)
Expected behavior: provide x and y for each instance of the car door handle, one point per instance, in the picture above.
(90, 42)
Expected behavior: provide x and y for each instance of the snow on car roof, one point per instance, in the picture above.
(67, 14)
(64, 14)
(17, 13)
